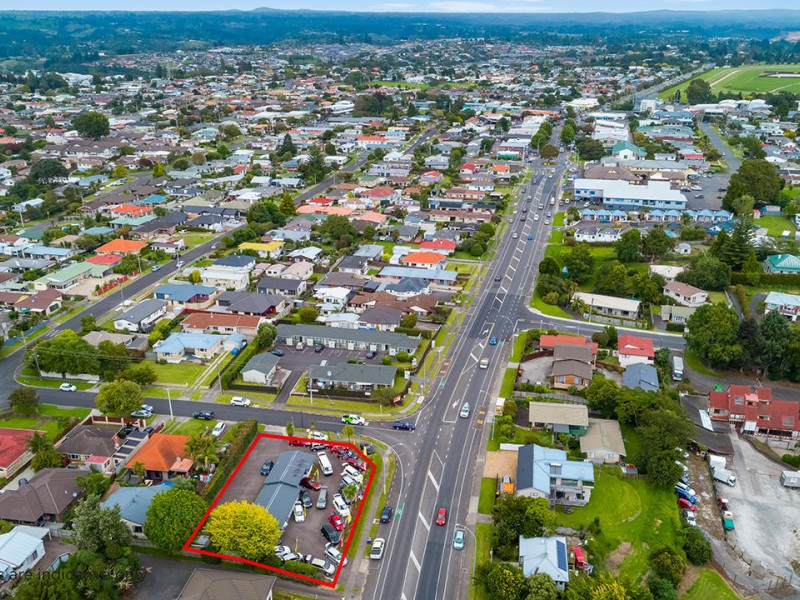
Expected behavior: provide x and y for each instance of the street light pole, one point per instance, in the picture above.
(475, 550)
(169, 399)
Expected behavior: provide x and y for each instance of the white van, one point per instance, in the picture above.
(325, 463)
(353, 473)
(484, 364)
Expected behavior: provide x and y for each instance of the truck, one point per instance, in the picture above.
(725, 476)
(727, 520)
(716, 462)
(790, 479)
(505, 485)
(677, 368)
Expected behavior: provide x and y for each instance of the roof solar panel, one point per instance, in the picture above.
(561, 551)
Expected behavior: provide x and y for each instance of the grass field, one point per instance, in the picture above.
(629, 510)
(192, 427)
(185, 372)
(693, 361)
(710, 585)
(486, 499)
(483, 537)
(507, 387)
(775, 225)
(50, 410)
(746, 79)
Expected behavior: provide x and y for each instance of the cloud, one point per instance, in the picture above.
(456, 6)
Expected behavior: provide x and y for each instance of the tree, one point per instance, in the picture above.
(43, 586)
(664, 430)
(567, 134)
(349, 492)
(757, 178)
(24, 402)
(348, 431)
(95, 483)
(290, 429)
(706, 272)
(47, 458)
(91, 124)
(195, 277)
(5, 526)
(408, 321)
(265, 336)
(667, 563)
(307, 314)
(579, 263)
(287, 205)
(99, 529)
(47, 171)
(266, 211)
(202, 449)
(627, 247)
(505, 582)
(142, 373)
(287, 146)
(139, 470)
(37, 442)
(119, 172)
(612, 279)
(159, 170)
(589, 149)
(88, 323)
(662, 589)
(243, 529)
(119, 397)
(541, 587)
(633, 405)
(601, 395)
(697, 547)
(775, 338)
(548, 152)
(657, 243)
(549, 266)
(172, 517)
(519, 515)
(314, 169)
(712, 333)
(698, 91)
(336, 228)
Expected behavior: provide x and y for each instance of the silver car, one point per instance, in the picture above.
(464, 410)
(322, 499)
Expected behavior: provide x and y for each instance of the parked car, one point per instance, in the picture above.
(180, 263)
(218, 429)
(203, 415)
(689, 518)
(458, 539)
(404, 425)
(277, 352)
(310, 484)
(127, 430)
(367, 448)
(148, 431)
(348, 479)
(330, 534)
(386, 514)
(322, 499)
(323, 565)
(356, 462)
(441, 517)
(318, 348)
(336, 521)
(684, 503)
(281, 551)
(371, 354)
(290, 556)
(354, 419)
(686, 488)
(145, 412)
(335, 555)
(68, 387)
(239, 401)
(305, 498)
(376, 551)
(530, 237)
(155, 268)
(464, 410)
(299, 512)
(267, 467)
(493, 341)
(340, 506)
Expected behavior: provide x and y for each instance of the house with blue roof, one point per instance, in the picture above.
(547, 473)
(151, 200)
(785, 264)
(133, 503)
(182, 294)
(180, 346)
(641, 375)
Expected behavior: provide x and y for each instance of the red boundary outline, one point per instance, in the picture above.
(330, 584)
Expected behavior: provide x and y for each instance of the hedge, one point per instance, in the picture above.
(425, 333)
(233, 369)
(787, 280)
(245, 434)
(678, 327)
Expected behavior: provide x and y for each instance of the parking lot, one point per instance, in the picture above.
(304, 537)
(300, 360)
(765, 513)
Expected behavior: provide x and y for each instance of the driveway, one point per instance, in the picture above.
(166, 577)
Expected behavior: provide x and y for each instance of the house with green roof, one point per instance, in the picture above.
(784, 264)
(628, 151)
(70, 275)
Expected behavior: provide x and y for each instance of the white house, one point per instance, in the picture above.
(598, 234)
(226, 279)
(602, 442)
(632, 349)
(668, 272)
(786, 304)
(142, 316)
(545, 555)
(20, 550)
(685, 294)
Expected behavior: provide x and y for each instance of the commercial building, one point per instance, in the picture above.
(626, 196)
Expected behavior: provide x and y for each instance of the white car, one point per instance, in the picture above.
(340, 506)
(281, 551)
(354, 419)
(239, 401)
(536, 217)
(218, 429)
(378, 546)
(67, 387)
(334, 554)
(353, 473)
(690, 518)
(299, 512)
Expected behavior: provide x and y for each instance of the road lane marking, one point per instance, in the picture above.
(433, 480)
(427, 528)
(415, 561)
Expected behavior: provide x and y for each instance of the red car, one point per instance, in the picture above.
(298, 442)
(441, 516)
(684, 503)
(309, 484)
(357, 463)
(336, 521)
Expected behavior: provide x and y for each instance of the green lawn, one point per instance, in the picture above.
(461, 255)
(633, 441)
(693, 361)
(344, 406)
(718, 297)
(519, 347)
(775, 225)
(486, 500)
(483, 537)
(558, 219)
(629, 510)
(257, 397)
(50, 427)
(192, 427)
(184, 373)
(710, 585)
(507, 387)
(548, 309)
(51, 410)
(51, 383)
(745, 79)
(193, 239)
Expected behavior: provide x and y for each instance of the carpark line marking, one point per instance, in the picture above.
(472, 356)
(427, 527)
(433, 480)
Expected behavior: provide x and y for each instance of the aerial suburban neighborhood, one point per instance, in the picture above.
(464, 304)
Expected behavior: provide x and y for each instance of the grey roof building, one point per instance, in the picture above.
(352, 377)
(250, 303)
(89, 440)
(133, 503)
(141, 316)
(353, 339)
(278, 285)
(260, 368)
(545, 555)
(282, 487)
(641, 375)
(236, 261)
(212, 584)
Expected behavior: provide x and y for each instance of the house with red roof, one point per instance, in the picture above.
(131, 210)
(321, 201)
(442, 246)
(632, 349)
(382, 194)
(755, 411)
(426, 260)
(430, 178)
(549, 342)
(14, 451)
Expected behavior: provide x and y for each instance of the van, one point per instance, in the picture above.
(325, 463)
(299, 346)
(322, 499)
(353, 473)
(677, 368)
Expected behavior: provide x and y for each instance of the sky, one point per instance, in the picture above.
(440, 6)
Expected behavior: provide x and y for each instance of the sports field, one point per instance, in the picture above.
(747, 79)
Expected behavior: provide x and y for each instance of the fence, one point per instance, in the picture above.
(562, 397)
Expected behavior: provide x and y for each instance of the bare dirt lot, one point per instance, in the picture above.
(502, 462)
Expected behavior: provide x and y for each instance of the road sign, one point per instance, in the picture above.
(399, 512)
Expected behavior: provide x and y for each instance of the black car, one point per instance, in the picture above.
(127, 430)
(267, 467)
(386, 514)
(367, 449)
(330, 534)
(305, 497)
(318, 347)
(204, 415)
(148, 430)
(405, 425)
(371, 354)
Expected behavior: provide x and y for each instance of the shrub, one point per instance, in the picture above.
(677, 327)
(386, 360)
(791, 459)
(551, 298)
(668, 564)
(697, 547)
(294, 566)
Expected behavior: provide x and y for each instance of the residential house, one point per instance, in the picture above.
(45, 498)
(610, 306)
(786, 304)
(21, 549)
(44, 302)
(133, 503)
(357, 265)
(213, 584)
(598, 235)
(435, 276)
(142, 317)
(547, 473)
(676, 314)
(300, 269)
(282, 486)
(754, 411)
(424, 260)
(181, 346)
(279, 286)
(359, 339)
(549, 342)
(685, 294)
(163, 457)
(632, 349)
(351, 377)
(626, 196)
(572, 366)
(782, 263)
(668, 272)
(131, 341)
(121, 247)
(185, 295)
(641, 375)
(381, 318)
(250, 303)
(91, 446)
(223, 323)
(14, 451)
(260, 368)
(270, 250)
(545, 555)
(572, 419)
(603, 442)
(225, 278)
